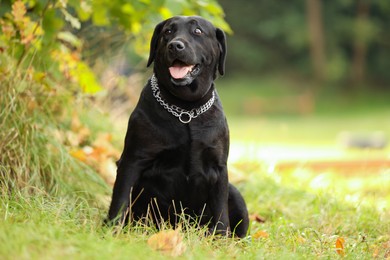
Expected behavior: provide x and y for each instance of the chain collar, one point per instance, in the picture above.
(184, 116)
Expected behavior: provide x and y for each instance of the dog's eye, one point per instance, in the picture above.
(168, 31)
(198, 31)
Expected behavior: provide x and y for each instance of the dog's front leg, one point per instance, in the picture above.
(219, 205)
(127, 176)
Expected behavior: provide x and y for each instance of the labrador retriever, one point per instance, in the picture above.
(176, 146)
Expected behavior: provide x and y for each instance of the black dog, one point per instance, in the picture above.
(177, 141)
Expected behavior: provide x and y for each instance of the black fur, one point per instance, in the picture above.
(168, 167)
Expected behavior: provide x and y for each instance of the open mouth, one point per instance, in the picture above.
(180, 70)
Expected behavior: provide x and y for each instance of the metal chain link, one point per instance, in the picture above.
(179, 112)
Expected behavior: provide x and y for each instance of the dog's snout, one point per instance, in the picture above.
(176, 46)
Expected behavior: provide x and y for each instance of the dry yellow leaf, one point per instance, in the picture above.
(260, 234)
(169, 242)
(301, 240)
(340, 246)
(386, 246)
(257, 218)
(79, 154)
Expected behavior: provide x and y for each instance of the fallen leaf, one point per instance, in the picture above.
(376, 251)
(340, 246)
(256, 217)
(386, 246)
(103, 143)
(301, 240)
(169, 242)
(260, 234)
(99, 153)
(79, 154)
(32, 104)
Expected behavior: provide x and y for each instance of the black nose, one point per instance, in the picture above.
(176, 46)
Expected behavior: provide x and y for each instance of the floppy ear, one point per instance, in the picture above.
(154, 42)
(222, 47)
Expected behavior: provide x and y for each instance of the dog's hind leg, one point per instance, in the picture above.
(238, 213)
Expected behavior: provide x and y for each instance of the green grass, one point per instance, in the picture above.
(314, 129)
(33, 159)
(279, 96)
(303, 221)
(51, 206)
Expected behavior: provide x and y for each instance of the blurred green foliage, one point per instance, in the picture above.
(274, 36)
(49, 40)
(46, 72)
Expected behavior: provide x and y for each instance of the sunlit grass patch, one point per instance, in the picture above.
(56, 209)
(308, 209)
(305, 212)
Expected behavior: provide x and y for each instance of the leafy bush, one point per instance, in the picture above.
(45, 77)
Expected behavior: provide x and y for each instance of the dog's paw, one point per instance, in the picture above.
(212, 231)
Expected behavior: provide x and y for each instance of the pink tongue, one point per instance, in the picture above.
(178, 72)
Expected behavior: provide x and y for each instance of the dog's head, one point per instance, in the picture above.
(187, 53)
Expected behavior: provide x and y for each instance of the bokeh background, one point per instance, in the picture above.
(304, 79)
(306, 94)
(312, 77)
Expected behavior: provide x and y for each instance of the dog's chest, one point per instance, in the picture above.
(189, 156)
